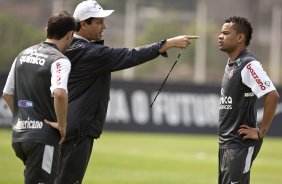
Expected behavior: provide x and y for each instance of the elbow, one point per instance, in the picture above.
(9, 100)
(60, 94)
(272, 97)
(275, 96)
(5, 96)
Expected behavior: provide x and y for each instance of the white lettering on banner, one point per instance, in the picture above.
(181, 108)
(139, 104)
(118, 110)
(172, 109)
(166, 108)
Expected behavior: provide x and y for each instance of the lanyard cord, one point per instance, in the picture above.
(159, 91)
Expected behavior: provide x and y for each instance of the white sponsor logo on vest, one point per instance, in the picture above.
(249, 94)
(31, 56)
(225, 101)
(28, 124)
(256, 77)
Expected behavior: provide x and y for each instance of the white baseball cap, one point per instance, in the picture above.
(90, 8)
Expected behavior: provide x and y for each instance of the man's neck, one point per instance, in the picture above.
(57, 43)
(235, 53)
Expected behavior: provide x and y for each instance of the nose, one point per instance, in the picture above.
(220, 36)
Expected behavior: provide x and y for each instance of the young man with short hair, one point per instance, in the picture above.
(36, 92)
(244, 81)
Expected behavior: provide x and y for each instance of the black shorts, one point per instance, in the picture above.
(74, 160)
(41, 161)
(235, 164)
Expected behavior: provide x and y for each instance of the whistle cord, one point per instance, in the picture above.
(163, 84)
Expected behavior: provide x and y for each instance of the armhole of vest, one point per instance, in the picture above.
(247, 60)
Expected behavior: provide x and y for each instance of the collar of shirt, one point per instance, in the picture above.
(51, 44)
(80, 37)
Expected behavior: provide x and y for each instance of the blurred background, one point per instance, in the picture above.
(139, 22)
(188, 104)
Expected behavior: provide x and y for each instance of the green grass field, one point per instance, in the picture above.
(136, 158)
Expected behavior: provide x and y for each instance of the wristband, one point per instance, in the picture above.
(162, 43)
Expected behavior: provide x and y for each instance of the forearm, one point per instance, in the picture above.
(270, 104)
(61, 106)
(9, 100)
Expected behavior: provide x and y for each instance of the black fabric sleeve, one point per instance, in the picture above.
(164, 54)
(102, 58)
(89, 58)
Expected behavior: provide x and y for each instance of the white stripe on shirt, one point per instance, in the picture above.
(256, 78)
(10, 83)
(48, 158)
(60, 70)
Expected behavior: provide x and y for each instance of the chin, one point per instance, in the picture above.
(222, 49)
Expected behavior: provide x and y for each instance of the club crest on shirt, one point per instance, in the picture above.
(230, 75)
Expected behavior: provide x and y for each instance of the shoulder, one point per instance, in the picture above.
(85, 48)
(254, 67)
(78, 43)
(78, 46)
(247, 57)
(244, 59)
(30, 49)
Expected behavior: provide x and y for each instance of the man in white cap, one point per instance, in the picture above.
(89, 84)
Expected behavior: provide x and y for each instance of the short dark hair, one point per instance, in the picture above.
(88, 21)
(59, 25)
(242, 25)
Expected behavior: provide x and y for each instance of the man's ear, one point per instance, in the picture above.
(83, 24)
(69, 35)
(241, 38)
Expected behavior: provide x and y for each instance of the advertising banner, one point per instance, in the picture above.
(182, 108)
(179, 108)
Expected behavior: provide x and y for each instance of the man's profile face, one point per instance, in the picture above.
(96, 28)
(228, 39)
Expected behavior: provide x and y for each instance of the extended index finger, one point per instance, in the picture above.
(192, 37)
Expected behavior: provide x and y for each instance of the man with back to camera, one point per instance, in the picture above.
(244, 81)
(36, 93)
(89, 84)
